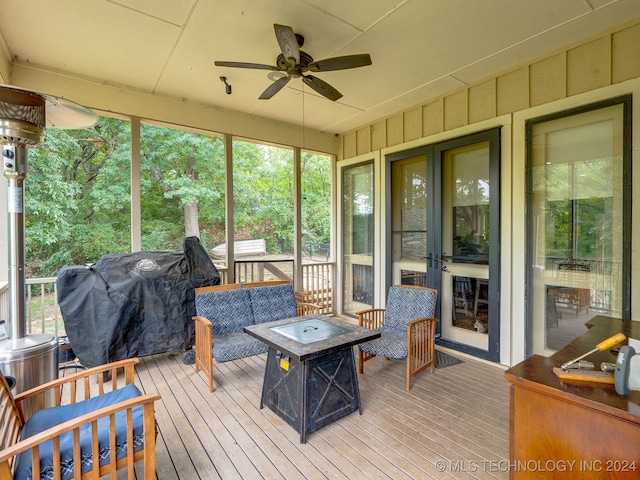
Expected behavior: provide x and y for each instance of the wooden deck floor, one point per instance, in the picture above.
(452, 424)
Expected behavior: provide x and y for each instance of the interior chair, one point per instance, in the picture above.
(462, 294)
(576, 286)
(75, 438)
(408, 330)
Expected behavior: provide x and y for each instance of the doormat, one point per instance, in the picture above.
(443, 360)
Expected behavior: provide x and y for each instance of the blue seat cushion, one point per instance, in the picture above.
(50, 417)
(227, 310)
(272, 303)
(391, 344)
(236, 345)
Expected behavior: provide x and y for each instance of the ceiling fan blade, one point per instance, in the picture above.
(322, 87)
(274, 88)
(340, 63)
(288, 43)
(257, 66)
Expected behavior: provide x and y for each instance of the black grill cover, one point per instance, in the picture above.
(134, 304)
(200, 269)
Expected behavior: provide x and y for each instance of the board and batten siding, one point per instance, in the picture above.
(610, 58)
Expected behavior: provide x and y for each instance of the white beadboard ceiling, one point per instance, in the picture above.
(419, 48)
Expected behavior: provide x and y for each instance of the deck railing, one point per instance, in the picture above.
(599, 277)
(43, 314)
(41, 309)
(317, 278)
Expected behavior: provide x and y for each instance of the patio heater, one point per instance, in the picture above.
(30, 360)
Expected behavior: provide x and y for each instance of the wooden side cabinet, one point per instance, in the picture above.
(561, 429)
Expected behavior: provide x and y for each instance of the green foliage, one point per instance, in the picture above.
(78, 193)
(77, 197)
(579, 208)
(316, 199)
(263, 194)
(161, 235)
(179, 169)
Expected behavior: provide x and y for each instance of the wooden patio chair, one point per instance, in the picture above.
(87, 437)
(408, 329)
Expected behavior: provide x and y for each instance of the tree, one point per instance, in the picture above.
(78, 193)
(179, 171)
(77, 196)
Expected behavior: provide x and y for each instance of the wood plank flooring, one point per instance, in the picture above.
(452, 424)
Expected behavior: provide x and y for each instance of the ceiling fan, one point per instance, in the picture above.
(295, 63)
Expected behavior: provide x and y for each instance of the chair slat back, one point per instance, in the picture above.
(11, 420)
(406, 303)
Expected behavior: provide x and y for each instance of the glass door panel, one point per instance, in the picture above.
(358, 238)
(576, 223)
(465, 244)
(409, 220)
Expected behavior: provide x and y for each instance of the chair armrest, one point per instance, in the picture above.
(420, 330)
(422, 320)
(307, 308)
(146, 401)
(200, 318)
(82, 378)
(301, 297)
(420, 347)
(203, 334)
(372, 318)
(204, 347)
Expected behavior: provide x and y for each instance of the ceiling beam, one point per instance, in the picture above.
(119, 100)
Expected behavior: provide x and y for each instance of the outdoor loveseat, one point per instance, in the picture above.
(224, 310)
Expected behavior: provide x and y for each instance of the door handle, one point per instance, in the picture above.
(441, 260)
(430, 257)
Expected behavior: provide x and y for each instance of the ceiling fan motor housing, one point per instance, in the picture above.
(305, 60)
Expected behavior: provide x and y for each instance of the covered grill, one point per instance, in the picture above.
(134, 304)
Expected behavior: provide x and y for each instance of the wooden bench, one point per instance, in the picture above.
(242, 248)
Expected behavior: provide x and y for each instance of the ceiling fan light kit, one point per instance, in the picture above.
(294, 63)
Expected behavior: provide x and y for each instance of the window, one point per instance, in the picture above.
(358, 237)
(578, 230)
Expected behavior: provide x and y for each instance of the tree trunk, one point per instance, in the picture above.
(191, 226)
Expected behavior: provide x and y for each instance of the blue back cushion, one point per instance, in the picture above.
(407, 304)
(227, 310)
(50, 417)
(273, 303)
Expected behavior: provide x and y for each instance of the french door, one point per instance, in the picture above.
(445, 234)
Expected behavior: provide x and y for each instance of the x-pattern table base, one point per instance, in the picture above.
(311, 393)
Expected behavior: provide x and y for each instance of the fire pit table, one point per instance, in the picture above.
(310, 377)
